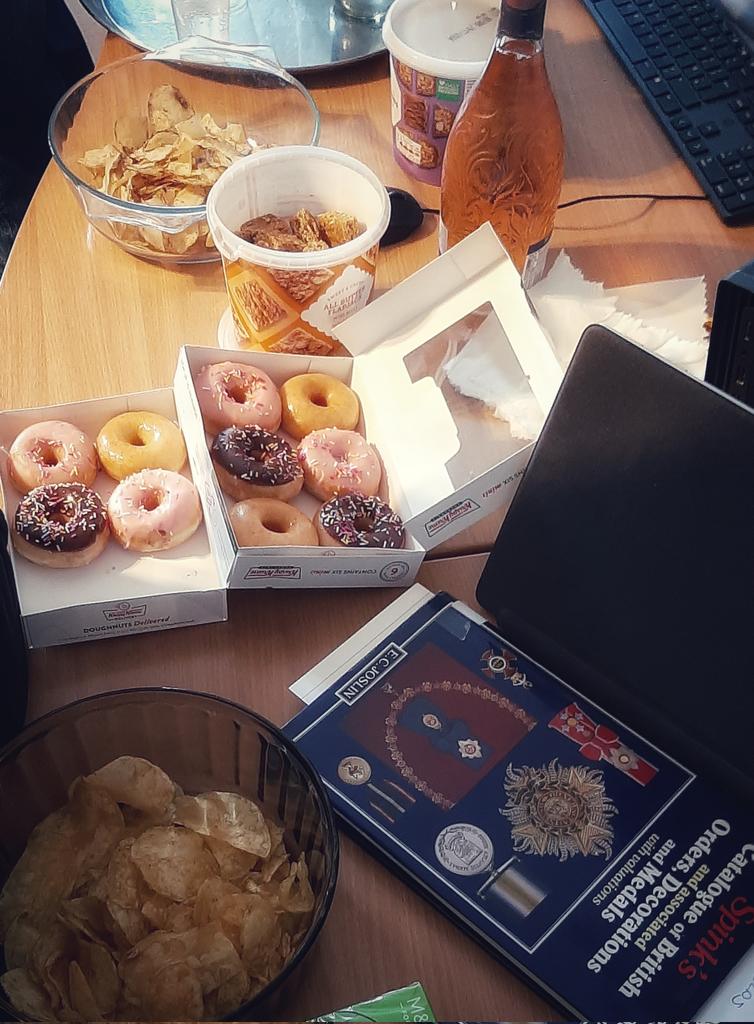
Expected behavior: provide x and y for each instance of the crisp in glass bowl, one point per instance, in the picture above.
(204, 743)
(237, 85)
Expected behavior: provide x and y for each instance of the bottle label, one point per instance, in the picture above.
(536, 260)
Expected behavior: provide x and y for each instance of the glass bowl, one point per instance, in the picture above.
(204, 743)
(234, 84)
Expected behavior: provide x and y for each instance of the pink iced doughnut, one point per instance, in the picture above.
(52, 452)
(154, 510)
(236, 395)
(338, 462)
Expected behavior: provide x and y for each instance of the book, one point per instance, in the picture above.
(596, 864)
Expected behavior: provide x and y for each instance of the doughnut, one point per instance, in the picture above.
(62, 526)
(52, 452)
(360, 521)
(338, 462)
(140, 440)
(154, 510)
(313, 401)
(235, 395)
(253, 463)
(267, 522)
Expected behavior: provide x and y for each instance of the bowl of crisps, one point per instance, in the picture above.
(141, 141)
(165, 855)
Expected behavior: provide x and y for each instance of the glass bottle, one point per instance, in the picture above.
(504, 159)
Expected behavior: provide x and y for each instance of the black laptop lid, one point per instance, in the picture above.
(626, 561)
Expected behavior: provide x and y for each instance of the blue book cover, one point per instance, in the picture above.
(595, 864)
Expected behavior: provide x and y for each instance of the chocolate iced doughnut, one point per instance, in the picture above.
(253, 463)
(361, 521)
(61, 525)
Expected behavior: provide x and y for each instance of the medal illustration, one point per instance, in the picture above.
(504, 663)
(599, 743)
(354, 771)
(559, 811)
(509, 885)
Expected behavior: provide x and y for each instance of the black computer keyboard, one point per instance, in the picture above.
(697, 75)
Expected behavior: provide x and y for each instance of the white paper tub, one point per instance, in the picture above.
(292, 301)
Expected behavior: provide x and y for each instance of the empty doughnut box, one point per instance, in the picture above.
(121, 592)
(447, 460)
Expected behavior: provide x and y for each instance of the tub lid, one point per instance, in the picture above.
(452, 38)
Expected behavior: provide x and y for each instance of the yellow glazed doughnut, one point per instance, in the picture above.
(267, 522)
(313, 401)
(135, 441)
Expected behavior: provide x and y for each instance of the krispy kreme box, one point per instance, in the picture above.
(447, 460)
(121, 592)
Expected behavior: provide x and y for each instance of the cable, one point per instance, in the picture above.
(657, 197)
(632, 195)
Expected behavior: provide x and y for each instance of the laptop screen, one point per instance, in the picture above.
(626, 561)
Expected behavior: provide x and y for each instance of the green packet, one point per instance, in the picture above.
(404, 1004)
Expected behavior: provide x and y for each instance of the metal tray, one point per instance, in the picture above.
(306, 35)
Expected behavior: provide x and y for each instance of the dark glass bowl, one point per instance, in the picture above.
(204, 743)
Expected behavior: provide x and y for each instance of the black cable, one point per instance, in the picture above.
(615, 195)
(630, 195)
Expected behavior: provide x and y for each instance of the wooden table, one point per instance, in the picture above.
(81, 319)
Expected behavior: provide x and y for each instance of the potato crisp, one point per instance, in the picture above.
(137, 902)
(171, 156)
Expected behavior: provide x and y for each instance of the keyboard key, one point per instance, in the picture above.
(725, 188)
(745, 117)
(684, 93)
(668, 104)
(697, 148)
(685, 60)
(716, 91)
(664, 62)
(713, 171)
(657, 50)
(746, 181)
(730, 156)
(689, 135)
(709, 129)
(657, 86)
(681, 123)
(739, 201)
(747, 152)
(739, 103)
(737, 168)
(646, 69)
(718, 74)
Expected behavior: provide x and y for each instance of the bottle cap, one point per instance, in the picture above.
(523, 19)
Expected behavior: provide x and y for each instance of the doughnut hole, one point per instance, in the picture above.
(363, 524)
(151, 500)
(319, 399)
(273, 525)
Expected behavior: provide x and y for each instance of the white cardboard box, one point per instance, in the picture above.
(448, 461)
(121, 592)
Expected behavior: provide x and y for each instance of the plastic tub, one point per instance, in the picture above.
(291, 301)
(438, 52)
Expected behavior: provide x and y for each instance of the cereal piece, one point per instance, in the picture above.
(301, 285)
(425, 84)
(304, 225)
(267, 222)
(338, 228)
(415, 113)
(442, 121)
(404, 73)
(302, 343)
(262, 308)
(278, 241)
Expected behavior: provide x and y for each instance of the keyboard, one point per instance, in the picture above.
(696, 74)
